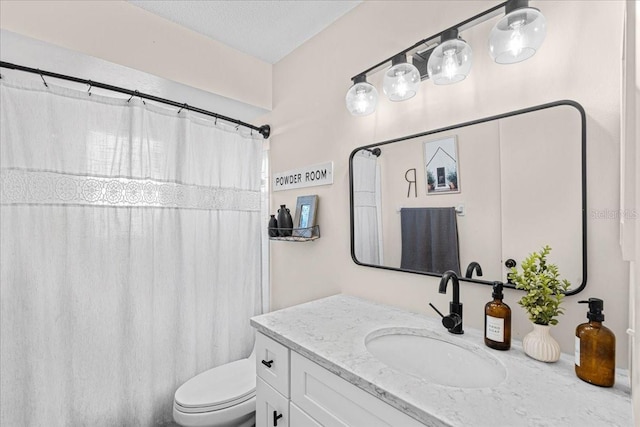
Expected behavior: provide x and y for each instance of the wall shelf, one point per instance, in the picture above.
(306, 234)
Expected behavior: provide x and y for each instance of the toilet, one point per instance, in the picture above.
(224, 396)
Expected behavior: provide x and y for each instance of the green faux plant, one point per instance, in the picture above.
(544, 289)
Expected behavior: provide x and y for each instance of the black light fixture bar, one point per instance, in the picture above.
(431, 42)
(264, 130)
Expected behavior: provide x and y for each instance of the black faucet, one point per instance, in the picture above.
(473, 266)
(453, 322)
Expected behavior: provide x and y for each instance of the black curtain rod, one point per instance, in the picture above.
(264, 130)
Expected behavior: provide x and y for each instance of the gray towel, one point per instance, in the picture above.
(429, 240)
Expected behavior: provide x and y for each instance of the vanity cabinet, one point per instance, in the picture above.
(308, 395)
(328, 376)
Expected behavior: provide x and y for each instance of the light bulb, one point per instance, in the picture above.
(516, 39)
(517, 36)
(401, 85)
(361, 98)
(401, 81)
(361, 102)
(450, 62)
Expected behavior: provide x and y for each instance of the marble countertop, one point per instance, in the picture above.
(331, 332)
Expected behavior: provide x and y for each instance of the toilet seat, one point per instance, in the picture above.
(218, 388)
(213, 407)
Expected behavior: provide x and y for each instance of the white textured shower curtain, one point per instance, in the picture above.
(130, 255)
(367, 230)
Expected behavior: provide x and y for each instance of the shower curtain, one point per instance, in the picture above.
(367, 231)
(130, 255)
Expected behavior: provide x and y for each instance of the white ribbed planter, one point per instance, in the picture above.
(540, 345)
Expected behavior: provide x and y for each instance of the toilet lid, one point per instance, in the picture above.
(220, 386)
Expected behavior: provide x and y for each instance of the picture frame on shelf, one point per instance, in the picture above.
(305, 218)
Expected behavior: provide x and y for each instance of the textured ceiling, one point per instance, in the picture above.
(265, 29)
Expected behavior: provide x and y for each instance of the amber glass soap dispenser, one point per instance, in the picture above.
(497, 321)
(595, 348)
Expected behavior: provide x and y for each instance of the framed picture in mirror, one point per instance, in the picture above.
(305, 218)
(441, 164)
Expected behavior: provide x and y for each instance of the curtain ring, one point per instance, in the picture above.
(90, 86)
(183, 107)
(43, 80)
(136, 93)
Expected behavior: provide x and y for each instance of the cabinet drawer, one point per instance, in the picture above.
(298, 418)
(272, 408)
(332, 401)
(272, 363)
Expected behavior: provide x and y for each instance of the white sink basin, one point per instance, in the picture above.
(436, 358)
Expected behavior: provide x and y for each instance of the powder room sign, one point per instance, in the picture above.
(308, 176)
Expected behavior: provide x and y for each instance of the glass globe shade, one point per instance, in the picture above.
(362, 99)
(517, 36)
(450, 62)
(401, 81)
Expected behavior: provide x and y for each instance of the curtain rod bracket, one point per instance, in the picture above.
(265, 131)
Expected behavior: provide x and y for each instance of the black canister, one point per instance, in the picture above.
(273, 226)
(285, 222)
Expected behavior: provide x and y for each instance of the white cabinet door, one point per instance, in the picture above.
(272, 363)
(332, 401)
(272, 408)
(298, 418)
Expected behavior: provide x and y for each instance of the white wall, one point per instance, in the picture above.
(122, 33)
(579, 60)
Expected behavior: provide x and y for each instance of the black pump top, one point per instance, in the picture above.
(497, 290)
(596, 305)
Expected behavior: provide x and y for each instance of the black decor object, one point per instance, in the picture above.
(285, 222)
(273, 226)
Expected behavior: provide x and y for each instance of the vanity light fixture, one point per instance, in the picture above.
(401, 80)
(362, 97)
(445, 58)
(450, 61)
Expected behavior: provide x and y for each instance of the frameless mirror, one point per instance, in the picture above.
(490, 191)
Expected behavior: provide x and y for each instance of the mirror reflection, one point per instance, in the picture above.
(487, 191)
